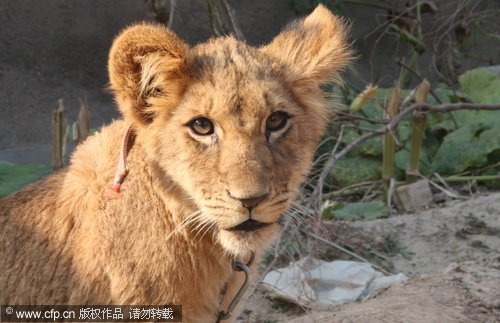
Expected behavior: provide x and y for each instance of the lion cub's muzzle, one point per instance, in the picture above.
(249, 225)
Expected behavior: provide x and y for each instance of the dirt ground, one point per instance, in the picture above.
(451, 254)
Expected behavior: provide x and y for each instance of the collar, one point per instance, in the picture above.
(121, 168)
(237, 266)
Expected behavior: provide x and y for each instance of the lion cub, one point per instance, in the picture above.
(224, 135)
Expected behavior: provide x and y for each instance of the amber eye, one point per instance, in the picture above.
(202, 126)
(276, 121)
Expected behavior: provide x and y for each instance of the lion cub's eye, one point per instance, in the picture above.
(202, 126)
(276, 121)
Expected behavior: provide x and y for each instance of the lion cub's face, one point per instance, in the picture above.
(234, 126)
(242, 142)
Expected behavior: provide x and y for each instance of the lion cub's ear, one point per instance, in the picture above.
(147, 71)
(313, 49)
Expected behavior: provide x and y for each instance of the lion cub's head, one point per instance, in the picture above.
(235, 127)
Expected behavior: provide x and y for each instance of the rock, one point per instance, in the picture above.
(415, 196)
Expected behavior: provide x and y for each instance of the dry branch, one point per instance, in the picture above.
(356, 117)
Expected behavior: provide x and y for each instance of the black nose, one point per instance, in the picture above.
(252, 202)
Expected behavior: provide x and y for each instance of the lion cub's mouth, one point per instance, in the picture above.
(249, 225)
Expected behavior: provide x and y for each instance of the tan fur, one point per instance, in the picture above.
(62, 241)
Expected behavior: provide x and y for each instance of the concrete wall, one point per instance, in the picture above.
(55, 49)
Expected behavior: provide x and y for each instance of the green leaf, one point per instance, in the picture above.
(402, 159)
(489, 118)
(371, 147)
(13, 177)
(404, 131)
(357, 211)
(465, 148)
(352, 170)
(431, 146)
(372, 109)
(467, 117)
(446, 95)
(481, 85)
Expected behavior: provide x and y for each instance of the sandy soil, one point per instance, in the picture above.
(451, 254)
(466, 292)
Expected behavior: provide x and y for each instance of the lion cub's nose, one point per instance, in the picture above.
(252, 202)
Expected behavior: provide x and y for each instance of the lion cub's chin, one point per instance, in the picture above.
(240, 244)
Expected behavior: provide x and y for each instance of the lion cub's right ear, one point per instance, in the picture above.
(147, 71)
(313, 49)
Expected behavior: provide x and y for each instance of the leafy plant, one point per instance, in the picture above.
(453, 143)
(13, 177)
(356, 211)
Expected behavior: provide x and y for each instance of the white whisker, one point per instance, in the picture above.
(184, 223)
(204, 223)
(209, 228)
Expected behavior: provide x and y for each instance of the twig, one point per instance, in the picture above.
(351, 189)
(448, 192)
(443, 182)
(275, 259)
(171, 14)
(367, 193)
(478, 169)
(479, 178)
(456, 106)
(408, 98)
(355, 117)
(350, 253)
(409, 68)
(354, 126)
(324, 174)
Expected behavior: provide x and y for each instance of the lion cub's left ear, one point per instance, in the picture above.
(313, 50)
(147, 70)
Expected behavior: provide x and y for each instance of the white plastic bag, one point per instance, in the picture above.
(319, 284)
